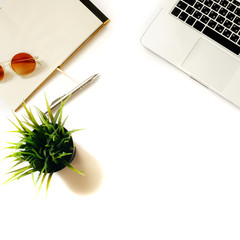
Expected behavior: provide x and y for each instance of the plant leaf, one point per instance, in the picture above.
(22, 125)
(43, 118)
(30, 115)
(23, 169)
(48, 181)
(73, 168)
(19, 129)
(50, 114)
(43, 177)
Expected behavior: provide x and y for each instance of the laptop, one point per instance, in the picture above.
(202, 38)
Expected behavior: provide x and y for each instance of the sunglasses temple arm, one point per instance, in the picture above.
(61, 71)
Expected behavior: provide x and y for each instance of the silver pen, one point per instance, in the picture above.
(57, 101)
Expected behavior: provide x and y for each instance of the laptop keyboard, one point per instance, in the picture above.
(217, 19)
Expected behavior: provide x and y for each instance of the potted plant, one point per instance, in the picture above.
(45, 145)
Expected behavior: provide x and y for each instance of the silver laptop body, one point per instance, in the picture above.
(202, 38)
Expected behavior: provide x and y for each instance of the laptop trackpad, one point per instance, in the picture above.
(210, 65)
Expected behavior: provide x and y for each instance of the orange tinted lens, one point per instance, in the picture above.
(23, 63)
(1, 73)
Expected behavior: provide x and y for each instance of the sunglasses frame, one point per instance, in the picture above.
(10, 64)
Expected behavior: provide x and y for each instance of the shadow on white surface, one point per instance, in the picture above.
(92, 180)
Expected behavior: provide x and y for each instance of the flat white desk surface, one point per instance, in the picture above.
(160, 151)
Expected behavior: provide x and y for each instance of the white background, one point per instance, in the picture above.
(160, 151)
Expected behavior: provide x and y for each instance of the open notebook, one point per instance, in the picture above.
(50, 30)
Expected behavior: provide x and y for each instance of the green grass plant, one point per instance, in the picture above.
(45, 146)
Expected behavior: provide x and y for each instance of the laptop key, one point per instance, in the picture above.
(182, 5)
(205, 10)
(237, 3)
(212, 24)
(231, 7)
(176, 11)
(220, 19)
(224, 3)
(227, 24)
(212, 14)
(208, 3)
(219, 28)
(190, 21)
(222, 40)
(216, 7)
(198, 6)
(237, 11)
(199, 26)
(237, 20)
(183, 16)
(190, 2)
(204, 19)
(234, 37)
(235, 28)
(223, 11)
(197, 14)
(190, 10)
(227, 33)
(230, 16)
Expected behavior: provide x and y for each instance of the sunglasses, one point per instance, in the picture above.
(22, 64)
